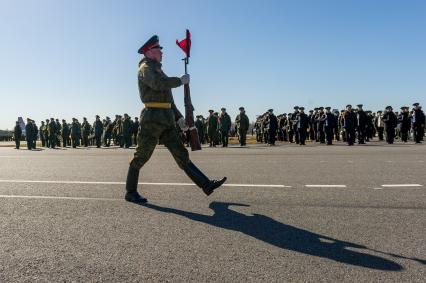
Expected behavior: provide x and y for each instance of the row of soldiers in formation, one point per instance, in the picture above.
(320, 125)
(323, 125)
(216, 128)
(122, 132)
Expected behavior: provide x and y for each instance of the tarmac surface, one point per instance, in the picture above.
(287, 214)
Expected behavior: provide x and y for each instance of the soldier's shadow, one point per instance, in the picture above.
(287, 237)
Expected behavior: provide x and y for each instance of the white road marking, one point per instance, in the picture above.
(57, 197)
(141, 183)
(325, 186)
(401, 185)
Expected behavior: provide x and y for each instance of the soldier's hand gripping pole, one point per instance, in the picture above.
(185, 45)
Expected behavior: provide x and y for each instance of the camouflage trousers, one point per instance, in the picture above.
(149, 135)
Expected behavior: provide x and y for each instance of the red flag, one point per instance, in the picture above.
(185, 44)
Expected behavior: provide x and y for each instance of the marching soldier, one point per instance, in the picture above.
(17, 135)
(158, 119)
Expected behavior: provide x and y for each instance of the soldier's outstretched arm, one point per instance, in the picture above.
(158, 81)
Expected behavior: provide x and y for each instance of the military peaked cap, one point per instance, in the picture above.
(359, 105)
(348, 106)
(328, 107)
(301, 108)
(241, 108)
(416, 104)
(153, 42)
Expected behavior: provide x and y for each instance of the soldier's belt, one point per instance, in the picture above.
(162, 105)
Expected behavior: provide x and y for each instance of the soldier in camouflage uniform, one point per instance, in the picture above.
(158, 122)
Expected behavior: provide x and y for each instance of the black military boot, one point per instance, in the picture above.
(201, 180)
(132, 194)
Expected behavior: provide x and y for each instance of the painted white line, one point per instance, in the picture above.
(141, 183)
(256, 185)
(57, 197)
(325, 186)
(401, 185)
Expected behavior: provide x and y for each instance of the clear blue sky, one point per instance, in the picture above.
(79, 58)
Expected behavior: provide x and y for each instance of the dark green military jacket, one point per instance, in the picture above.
(52, 129)
(225, 122)
(127, 127)
(155, 86)
(85, 128)
(98, 127)
(242, 122)
(17, 132)
(65, 130)
(212, 124)
(75, 129)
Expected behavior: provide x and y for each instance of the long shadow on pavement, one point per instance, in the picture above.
(285, 236)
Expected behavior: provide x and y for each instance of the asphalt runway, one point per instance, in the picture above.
(287, 214)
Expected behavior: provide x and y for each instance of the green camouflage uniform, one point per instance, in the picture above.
(157, 123)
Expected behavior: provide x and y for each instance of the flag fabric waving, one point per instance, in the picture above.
(185, 44)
